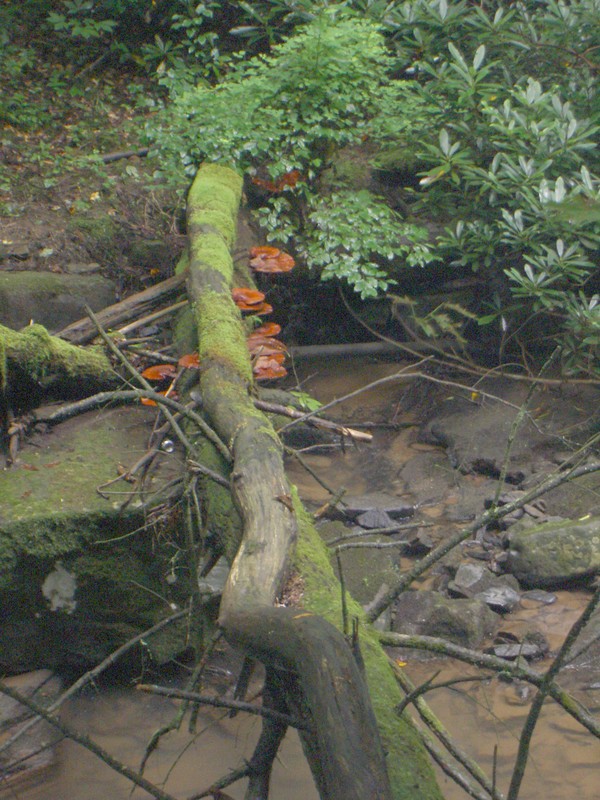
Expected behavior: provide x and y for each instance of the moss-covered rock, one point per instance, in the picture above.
(555, 553)
(81, 572)
(51, 299)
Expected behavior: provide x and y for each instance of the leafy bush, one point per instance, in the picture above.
(290, 110)
(503, 130)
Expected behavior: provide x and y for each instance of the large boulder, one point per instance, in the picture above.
(463, 622)
(81, 570)
(555, 554)
(51, 299)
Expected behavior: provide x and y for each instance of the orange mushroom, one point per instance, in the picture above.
(264, 251)
(256, 343)
(266, 368)
(189, 361)
(266, 329)
(260, 308)
(244, 297)
(282, 262)
(158, 372)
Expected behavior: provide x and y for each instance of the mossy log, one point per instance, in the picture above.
(317, 671)
(34, 358)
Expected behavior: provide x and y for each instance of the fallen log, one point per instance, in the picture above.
(84, 330)
(34, 356)
(317, 676)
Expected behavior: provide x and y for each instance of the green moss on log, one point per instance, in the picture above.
(219, 340)
(410, 771)
(38, 354)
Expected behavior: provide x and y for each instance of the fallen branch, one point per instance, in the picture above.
(84, 330)
(86, 742)
(221, 702)
(515, 670)
(318, 422)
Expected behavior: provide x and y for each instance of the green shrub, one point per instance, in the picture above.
(503, 131)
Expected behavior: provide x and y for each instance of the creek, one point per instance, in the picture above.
(485, 717)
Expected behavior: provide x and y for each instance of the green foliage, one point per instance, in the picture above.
(290, 110)
(351, 235)
(79, 23)
(503, 131)
(286, 109)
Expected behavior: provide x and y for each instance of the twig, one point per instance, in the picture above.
(286, 411)
(370, 545)
(86, 742)
(516, 424)
(206, 430)
(175, 722)
(543, 691)
(110, 157)
(221, 702)
(451, 771)
(485, 661)
(436, 726)
(310, 470)
(379, 531)
(90, 676)
(343, 599)
(164, 312)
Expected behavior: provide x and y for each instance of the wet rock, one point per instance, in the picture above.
(394, 507)
(24, 763)
(475, 436)
(501, 599)
(428, 476)
(419, 543)
(539, 596)
(375, 518)
(51, 299)
(513, 651)
(533, 646)
(555, 554)
(78, 575)
(500, 593)
(464, 622)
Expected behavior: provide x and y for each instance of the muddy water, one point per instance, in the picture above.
(122, 722)
(485, 718)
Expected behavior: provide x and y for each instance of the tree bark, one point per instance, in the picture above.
(322, 683)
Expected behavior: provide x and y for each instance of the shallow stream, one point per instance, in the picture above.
(484, 717)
